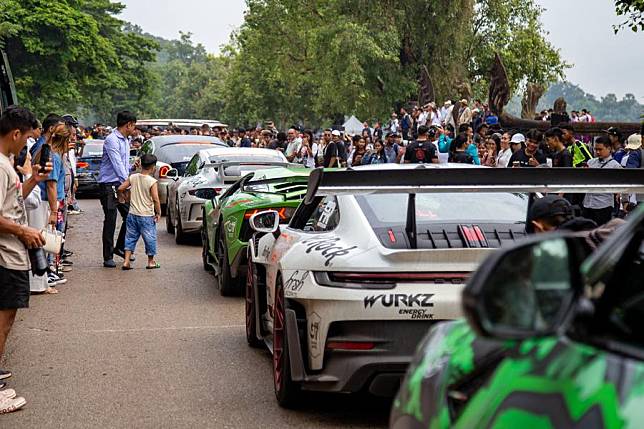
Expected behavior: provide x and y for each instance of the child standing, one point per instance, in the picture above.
(145, 210)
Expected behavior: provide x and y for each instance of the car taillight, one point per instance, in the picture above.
(81, 164)
(350, 345)
(163, 171)
(285, 213)
(384, 280)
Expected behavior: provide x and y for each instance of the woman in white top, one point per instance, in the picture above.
(505, 153)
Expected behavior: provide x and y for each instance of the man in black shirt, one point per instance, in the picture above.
(331, 153)
(421, 151)
(561, 157)
(531, 156)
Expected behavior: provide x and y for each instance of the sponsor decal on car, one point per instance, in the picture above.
(414, 305)
(314, 334)
(329, 247)
(295, 282)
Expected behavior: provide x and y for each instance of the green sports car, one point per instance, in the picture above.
(226, 231)
(547, 344)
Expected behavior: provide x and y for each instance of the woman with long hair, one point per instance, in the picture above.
(308, 150)
(492, 145)
(377, 156)
(358, 152)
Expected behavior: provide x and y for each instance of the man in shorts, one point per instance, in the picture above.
(16, 127)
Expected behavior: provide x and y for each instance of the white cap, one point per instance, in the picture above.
(518, 138)
(336, 133)
(634, 142)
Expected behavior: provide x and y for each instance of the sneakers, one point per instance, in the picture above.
(74, 212)
(66, 263)
(8, 393)
(67, 253)
(55, 280)
(4, 374)
(9, 405)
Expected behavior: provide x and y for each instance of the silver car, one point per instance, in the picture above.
(208, 174)
(174, 152)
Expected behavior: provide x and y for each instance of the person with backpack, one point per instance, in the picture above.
(579, 151)
(599, 207)
(422, 150)
(633, 158)
(405, 123)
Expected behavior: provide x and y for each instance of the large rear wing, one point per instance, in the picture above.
(423, 179)
(429, 179)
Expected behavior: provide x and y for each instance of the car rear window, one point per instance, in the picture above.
(179, 152)
(384, 210)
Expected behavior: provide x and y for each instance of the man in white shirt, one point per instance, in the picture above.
(505, 153)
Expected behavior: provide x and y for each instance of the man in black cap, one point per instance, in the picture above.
(245, 141)
(552, 213)
(617, 143)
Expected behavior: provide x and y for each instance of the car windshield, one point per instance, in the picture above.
(93, 150)
(385, 210)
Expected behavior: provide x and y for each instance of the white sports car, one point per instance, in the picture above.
(208, 174)
(343, 294)
(371, 259)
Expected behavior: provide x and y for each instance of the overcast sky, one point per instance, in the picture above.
(603, 62)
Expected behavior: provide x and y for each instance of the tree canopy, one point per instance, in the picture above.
(633, 12)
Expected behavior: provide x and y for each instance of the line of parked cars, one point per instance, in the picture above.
(354, 278)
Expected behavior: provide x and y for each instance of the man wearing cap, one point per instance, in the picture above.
(464, 114)
(615, 136)
(553, 212)
(331, 152)
(517, 142)
(392, 149)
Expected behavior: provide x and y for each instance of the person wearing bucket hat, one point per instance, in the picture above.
(633, 158)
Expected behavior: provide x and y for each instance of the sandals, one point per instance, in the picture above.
(126, 268)
(50, 291)
(153, 267)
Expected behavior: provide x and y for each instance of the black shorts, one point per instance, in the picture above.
(14, 289)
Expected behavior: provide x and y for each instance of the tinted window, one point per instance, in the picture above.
(93, 150)
(147, 147)
(325, 217)
(391, 209)
(172, 153)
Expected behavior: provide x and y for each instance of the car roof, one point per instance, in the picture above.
(195, 123)
(249, 152)
(413, 166)
(160, 141)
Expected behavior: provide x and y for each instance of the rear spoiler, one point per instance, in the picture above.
(422, 179)
(525, 180)
(247, 163)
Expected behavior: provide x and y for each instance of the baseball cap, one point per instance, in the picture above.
(613, 131)
(70, 120)
(335, 133)
(548, 207)
(634, 142)
(518, 138)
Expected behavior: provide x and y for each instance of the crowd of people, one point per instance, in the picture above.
(38, 177)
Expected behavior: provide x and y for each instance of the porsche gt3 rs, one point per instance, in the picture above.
(343, 294)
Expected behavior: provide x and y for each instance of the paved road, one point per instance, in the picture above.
(151, 349)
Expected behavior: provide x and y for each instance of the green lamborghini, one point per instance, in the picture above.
(226, 231)
(546, 345)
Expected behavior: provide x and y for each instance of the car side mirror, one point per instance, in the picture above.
(527, 290)
(206, 194)
(267, 221)
(173, 174)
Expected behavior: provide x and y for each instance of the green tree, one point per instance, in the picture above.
(72, 55)
(633, 11)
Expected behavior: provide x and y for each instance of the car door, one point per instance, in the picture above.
(178, 188)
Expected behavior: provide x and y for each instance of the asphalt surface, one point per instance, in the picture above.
(151, 348)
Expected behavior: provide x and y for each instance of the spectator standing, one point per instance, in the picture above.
(464, 113)
(358, 152)
(331, 153)
(561, 156)
(145, 211)
(530, 156)
(503, 157)
(377, 156)
(599, 207)
(394, 124)
(292, 146)
(492, 145)
(633, 158)
(245, 139)
(279, 143)
(459, 154)
(392, 149)
(615, 136)
(114, 170)
(579, 151)
(405, 123)
(421, 151)
(16, 127)
(308, 150)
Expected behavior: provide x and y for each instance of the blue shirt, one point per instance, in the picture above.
(115, 163)
(36, 147)
(57, 175)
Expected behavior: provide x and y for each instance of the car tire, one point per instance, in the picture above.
(287, 392)
(251, 307)
(180, 237)
(228, 286)
(205, 246)
(169, 226)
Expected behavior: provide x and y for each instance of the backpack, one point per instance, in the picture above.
(580, 154)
